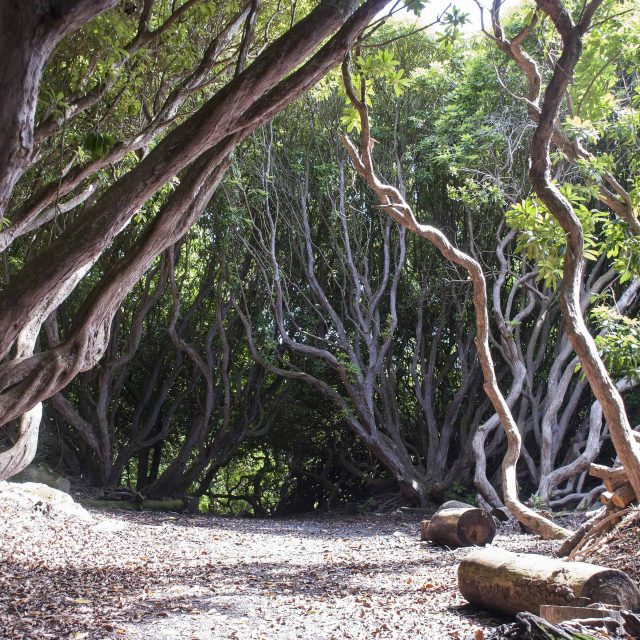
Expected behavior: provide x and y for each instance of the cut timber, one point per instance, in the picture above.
(612, 477)
(424, 525)
(508, 582)
(623, 496)
(461, 527)
(555, 613)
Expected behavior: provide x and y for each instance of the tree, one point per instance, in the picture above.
(397, 207)
(546, 113)
(199, 147)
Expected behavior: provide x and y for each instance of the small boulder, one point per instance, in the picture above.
(40, 497)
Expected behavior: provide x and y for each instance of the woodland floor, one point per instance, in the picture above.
(160, 576)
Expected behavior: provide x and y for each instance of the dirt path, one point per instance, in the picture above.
(158, 576)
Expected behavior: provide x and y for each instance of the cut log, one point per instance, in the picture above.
(612, 477)
(424, 525)
(462, 527)
(509, 583)
(555, 613)
(623, 496)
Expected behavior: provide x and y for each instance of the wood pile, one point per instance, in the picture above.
(618, 499)
(619, 492)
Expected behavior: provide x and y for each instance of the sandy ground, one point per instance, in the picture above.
(161, 576)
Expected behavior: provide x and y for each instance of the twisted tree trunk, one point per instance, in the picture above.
(29, 31)
(204, 141)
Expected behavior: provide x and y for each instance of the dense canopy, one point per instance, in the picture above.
(288, 256)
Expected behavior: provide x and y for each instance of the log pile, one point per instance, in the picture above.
(617, 499)
(618, 489)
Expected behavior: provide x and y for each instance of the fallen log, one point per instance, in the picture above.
(176, 505)
(462, 527)
(555, 613)
(509, 583)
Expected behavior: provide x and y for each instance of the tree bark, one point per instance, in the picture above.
(29, 31)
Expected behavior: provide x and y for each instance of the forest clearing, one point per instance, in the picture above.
(162, 575)
(327, 312)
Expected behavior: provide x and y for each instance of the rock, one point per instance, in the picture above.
(40, 475)
(41, 497)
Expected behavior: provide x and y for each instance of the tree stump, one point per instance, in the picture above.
(462, 527)
(509, 583)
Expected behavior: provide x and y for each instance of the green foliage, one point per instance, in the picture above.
(381, 67)
(618, 342)
(415, 5)
(98, 144)
(460, 491)
(542, 239)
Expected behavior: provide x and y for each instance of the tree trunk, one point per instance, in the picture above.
(571, 287)
(396, 206)
(509, 583)
(23, 451)
(29, 31)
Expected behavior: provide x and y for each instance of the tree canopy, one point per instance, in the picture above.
(290, 256)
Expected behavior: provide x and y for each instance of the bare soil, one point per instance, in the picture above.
(160, 576)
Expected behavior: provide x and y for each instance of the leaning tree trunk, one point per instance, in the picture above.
(29, 31)
(571, 287)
